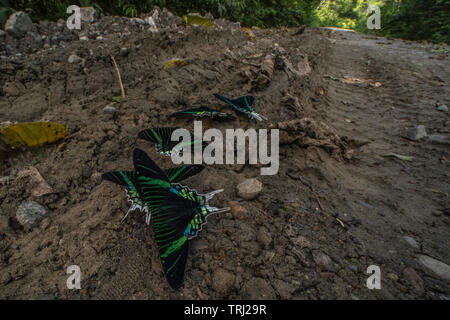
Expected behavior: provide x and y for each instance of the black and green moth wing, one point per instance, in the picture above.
(170, 221)
(123, 178)
(145, 166)
(196, 113)
(128, 179)
(241, 104)
(178, 174)
(161, 137)
(152, 182)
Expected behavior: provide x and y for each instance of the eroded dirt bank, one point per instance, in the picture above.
(337, 206)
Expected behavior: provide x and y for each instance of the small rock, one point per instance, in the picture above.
(413, 243)
(263, 236)
(36, 183)
(442, 107)
(83, 38)
(137, 20)
(19, 24)
(322, 260)
(439, 139)
(2, 34)
(249, 189)
(258, 289)
(416, 133)
(74, 59)
(110, 112)
(238, 211)
(437, 267)
(100, 38)
(222, 281)
(414, 280)
(392, 276)
(30, 214)
(96, 177)
(124, 51)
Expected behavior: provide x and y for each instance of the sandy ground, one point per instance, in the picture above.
(337, 205)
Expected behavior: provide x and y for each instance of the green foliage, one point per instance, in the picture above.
(5, 11)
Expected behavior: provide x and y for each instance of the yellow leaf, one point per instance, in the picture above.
(194, 19)
(250, 33)
(174, 63)
(32, 134)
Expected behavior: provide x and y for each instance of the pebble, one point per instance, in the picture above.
(442, 108)
(439, 139)
(30, 214)
(249, 189)
(238, 211)
(19, 24)
(74, 59)
(263, 236)
(416, 133)
(392, 276)
(84, 38)
(110, 112)
(322, 260)
(223, 281)
(124, 51)
(413, 243)
(100, 38)
(437, 267)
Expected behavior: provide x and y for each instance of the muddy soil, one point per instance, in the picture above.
(337, 206)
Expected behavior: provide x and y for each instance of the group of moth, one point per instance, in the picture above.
(177, 212)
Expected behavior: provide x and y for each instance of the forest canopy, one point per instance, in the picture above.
(408, 19)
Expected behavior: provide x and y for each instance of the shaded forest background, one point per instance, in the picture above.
(408, 19)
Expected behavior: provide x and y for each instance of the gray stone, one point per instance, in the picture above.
(109, 112)
(124, 51)
(322, 260)
(437, 267)
(413, 243)
(30, 214)
(222, 281)
(263, 236)
(83, 38)
(100, 38)
(137, 21)
(416, 133)
(74, 59)
(258, 289)
(249, 189)
(439, 139)
(442, 108)
(19, 24)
